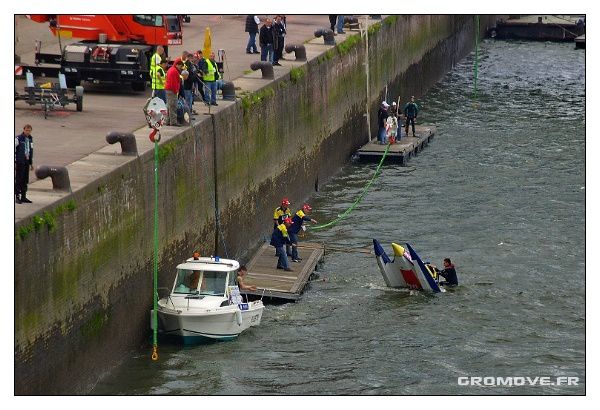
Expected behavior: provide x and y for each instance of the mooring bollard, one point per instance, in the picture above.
(59, 176)
(351, 22)
(298, 49)
(327, 35)
(228, 91)
(265, 67)
(126, 139)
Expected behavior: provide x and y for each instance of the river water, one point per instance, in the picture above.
(500, 190)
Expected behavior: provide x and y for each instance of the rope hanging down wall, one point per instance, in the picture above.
(360, 197)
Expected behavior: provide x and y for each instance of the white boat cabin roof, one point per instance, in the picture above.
(210, 264)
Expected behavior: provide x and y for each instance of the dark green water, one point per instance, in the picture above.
(501, 190)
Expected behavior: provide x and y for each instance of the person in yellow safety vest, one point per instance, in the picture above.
(159, 80)
(208, 66)
(279, 237)
(282, 212)
(156, 58)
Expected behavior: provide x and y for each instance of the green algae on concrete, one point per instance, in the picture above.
(92, 328)
(48, 218)
(296, 73)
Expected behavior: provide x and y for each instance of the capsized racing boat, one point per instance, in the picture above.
(406, 270)
(205, 302)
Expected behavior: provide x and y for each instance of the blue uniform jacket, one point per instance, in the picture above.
(297, 222)
(280, 237)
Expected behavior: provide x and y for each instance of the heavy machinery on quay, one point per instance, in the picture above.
(115, 48)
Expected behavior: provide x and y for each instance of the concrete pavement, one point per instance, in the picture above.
(70, 138)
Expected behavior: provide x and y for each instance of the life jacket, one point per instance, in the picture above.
(158, 81)
(211, 69)
(280, 236)
(281, 213)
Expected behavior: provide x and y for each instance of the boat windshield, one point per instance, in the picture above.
(187, 281)
(213, 283)
(202, 282)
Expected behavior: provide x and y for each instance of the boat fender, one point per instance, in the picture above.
(238, 317)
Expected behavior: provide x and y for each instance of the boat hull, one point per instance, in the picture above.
(193, 326)
(406, 270)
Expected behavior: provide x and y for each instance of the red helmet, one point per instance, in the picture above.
(287, 220)
(306, 207)
(285, 202)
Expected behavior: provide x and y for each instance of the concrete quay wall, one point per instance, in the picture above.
(83, 265)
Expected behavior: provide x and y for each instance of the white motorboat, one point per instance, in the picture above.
(406, 270)
(205, 302)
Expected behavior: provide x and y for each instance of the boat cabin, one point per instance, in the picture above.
(205, 277)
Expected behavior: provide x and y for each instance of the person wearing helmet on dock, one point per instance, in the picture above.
(280, 237)
(297, 224)
(411, 109)
(282, 212)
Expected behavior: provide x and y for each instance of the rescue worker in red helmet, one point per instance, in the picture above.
(297, 224)
(280, 237)
(282, 212)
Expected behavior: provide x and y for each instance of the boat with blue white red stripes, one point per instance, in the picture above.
(406, 270)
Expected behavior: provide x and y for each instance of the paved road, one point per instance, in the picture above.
(67, 136)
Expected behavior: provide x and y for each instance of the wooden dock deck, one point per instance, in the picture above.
(273, 283)
(402, 150)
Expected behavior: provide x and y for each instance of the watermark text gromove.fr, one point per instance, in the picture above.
(491, 381)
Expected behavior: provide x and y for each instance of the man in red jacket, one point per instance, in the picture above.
(172, 88)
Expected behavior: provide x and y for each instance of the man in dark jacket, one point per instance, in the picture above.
(448, 273)
(280, 237)
(279, 38)
(252, 29)
(266, 40)
(410, 111)
(297, 221)
(23, 163)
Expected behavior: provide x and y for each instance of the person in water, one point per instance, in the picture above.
(448, 273)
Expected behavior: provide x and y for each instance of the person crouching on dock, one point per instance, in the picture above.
(280, 237)
(297, 224)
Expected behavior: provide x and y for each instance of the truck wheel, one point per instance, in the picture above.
(138, 86)
(72, 82)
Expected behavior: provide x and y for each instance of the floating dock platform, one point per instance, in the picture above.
(402, 150)
(277, 284)
(539, 27)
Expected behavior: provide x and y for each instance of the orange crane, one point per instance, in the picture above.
(115, 48)
(152, 29)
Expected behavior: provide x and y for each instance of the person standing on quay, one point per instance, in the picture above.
(279, 38)
(266, 40)
(252, 29)
(332, 22)
(23, 163)
(340, 25)
(172, 87)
